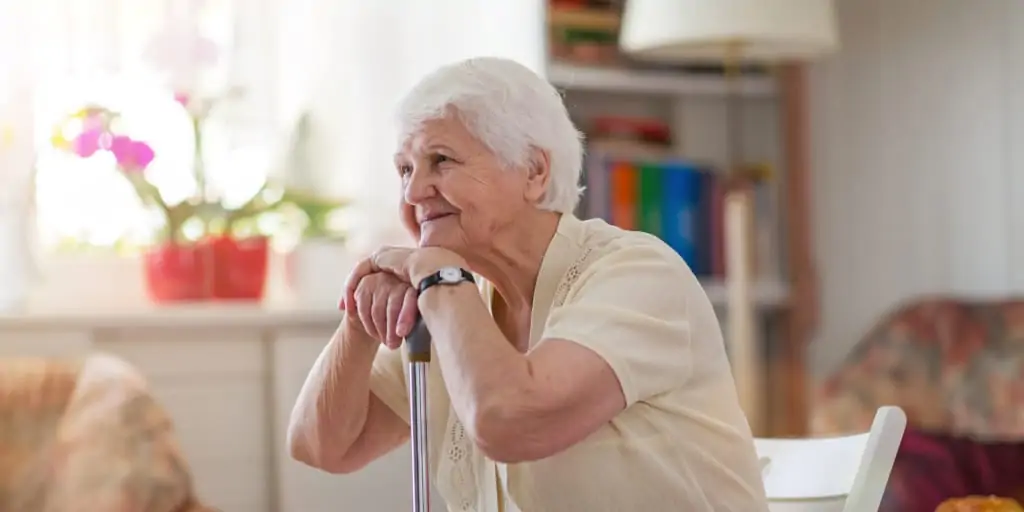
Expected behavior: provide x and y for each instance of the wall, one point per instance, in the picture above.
(918, 187)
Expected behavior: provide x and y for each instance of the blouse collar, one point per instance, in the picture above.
(562, 252)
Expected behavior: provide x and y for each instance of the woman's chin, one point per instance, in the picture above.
(431, 238)
(438, 238)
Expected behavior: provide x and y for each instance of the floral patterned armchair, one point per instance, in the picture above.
(86, 435)
(957, 368)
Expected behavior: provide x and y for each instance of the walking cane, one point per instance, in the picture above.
(417, 345)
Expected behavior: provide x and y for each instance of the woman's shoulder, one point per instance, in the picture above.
(595, 257)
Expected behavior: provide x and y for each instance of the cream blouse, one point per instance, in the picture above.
(682, 443)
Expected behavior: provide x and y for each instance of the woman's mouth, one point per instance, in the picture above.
(434, 216)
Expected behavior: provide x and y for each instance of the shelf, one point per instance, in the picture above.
(667, 83)
(766, 293)
(226, 314)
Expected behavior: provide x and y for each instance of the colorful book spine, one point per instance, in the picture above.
(595, 175)
(681, 202)
(623, 195)
(706, 179)
(650, 195)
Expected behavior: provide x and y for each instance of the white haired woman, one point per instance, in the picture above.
(584, 371)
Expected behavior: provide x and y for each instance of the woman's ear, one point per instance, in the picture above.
(538, 176)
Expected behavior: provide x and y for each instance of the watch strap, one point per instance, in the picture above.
(439, 278)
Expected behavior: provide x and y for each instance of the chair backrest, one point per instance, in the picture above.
(850, 469)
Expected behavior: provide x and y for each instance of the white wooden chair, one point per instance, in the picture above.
(833, 474)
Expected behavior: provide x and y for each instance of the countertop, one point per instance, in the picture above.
(212, 315)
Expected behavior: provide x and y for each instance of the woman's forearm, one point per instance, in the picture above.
(331, 409)
(488, 380)
(516, 407)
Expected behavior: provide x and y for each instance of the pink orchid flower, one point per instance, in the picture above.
(131, 155)
(88, 142)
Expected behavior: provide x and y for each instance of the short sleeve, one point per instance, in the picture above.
(387, 381)
(630, 306)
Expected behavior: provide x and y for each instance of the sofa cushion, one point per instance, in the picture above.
(932, 467)
(953, 366)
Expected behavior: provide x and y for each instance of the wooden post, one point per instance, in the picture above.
(743, 341)
(789, 369)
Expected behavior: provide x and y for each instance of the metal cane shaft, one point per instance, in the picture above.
(418, 425)
(418, 347)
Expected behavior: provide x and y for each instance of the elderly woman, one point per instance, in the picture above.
(578, 366)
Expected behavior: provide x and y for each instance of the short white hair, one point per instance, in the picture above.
(511, 110)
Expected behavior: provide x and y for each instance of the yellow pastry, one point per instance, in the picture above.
(980, 504)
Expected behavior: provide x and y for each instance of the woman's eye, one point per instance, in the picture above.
(404, 170)
(439, 159)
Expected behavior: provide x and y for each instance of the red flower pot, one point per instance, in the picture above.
(240, 268)
(178, 273)
(216, 268)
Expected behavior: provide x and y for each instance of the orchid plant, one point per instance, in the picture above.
(184, 54)
(97, 132)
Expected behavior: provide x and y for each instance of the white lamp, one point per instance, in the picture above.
(732, 32)
(674, 31)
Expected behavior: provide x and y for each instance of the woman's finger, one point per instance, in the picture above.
(392, 260)
(364, 303)
(410, 311)
(394, 309)
(379, 309)
(361, 270)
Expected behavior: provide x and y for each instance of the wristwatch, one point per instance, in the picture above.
(447, 276)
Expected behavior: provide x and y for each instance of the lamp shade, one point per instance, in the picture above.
(701, 31)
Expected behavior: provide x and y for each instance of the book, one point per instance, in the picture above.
(649, 207)
(681, 201)
(623, 194)
(678, 200)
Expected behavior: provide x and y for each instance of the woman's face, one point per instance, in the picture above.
(457, 195)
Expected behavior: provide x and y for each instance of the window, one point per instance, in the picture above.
(346, 61)
(101, 52)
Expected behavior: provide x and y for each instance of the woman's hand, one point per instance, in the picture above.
(381, 289)
(407, 264)
(385, 306)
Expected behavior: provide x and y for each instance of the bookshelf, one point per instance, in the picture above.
(578, 77)
(689, 106)
(769, 293)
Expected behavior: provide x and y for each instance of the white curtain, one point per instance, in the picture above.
(371, 53)
(16, 155)
(57, 55)
(16, 114)
(346, 62)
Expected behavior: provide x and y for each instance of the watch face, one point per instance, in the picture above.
(450, 274)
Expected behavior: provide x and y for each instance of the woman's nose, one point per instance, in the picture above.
(418, 186)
